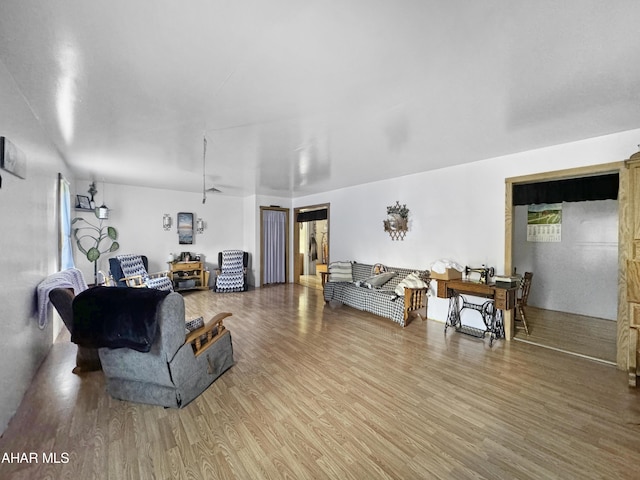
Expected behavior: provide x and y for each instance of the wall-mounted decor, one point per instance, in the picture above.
(200, 225)
(185, 228)
(397, 222)
(167, 222)
(94, 240)
(544, 222)
(12, 159)
(92, 191)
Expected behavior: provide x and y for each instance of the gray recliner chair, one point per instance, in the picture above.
(177, 366)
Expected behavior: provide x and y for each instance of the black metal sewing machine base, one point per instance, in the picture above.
(471, 331)
(491, 317)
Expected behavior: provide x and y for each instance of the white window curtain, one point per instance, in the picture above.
(64, 214)
(274, 225)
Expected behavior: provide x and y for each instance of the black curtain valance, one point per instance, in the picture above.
(600, 187)
(312, 215)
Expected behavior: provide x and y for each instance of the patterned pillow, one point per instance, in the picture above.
(340, 272)
(194, 324)
(378, 281)
(412, 281)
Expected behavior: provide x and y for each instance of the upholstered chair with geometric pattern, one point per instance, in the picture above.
(231, 276)
(131, 271)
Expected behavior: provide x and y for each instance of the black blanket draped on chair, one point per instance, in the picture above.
(116, 317)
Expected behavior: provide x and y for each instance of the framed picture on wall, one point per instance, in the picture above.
(12, 159)
(185, 228)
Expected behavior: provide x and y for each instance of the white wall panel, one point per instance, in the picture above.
(28, 247)
(580, 273)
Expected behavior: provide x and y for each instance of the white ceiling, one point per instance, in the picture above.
(302, 96)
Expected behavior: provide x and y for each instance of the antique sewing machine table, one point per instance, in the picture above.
(499, 299)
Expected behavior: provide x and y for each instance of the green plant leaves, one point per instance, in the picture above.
(93, 254)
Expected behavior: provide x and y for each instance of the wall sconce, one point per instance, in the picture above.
(166, 221)
(200, 225)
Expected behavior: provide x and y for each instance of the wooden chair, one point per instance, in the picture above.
(205, 336)
(523, 297)
(135, 273)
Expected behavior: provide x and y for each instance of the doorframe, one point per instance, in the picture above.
(296, 235)
(624, 237)
(286, 242)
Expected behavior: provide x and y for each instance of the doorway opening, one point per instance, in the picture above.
(274, 245)
(563, 316)
(311, 245)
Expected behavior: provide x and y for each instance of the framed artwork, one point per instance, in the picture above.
(82, 201)
(185, 228)
(12, 159)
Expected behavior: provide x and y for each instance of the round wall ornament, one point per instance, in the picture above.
(397, 222)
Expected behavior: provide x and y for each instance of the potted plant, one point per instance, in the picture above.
(94, 240)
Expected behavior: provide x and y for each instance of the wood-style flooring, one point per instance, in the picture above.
(312, 281)
(575, 334)
(326, 391)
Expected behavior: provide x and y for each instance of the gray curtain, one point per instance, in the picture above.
(273, 223)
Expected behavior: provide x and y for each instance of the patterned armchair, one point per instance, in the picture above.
(231, 276)
(131, 271)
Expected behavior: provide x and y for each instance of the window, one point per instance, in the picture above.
(65, 252)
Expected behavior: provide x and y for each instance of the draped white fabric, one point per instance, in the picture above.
(273, 223)
(64, 204)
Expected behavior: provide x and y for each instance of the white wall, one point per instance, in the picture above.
(580, 273)
(455, 213)
(136, 213)
(251, 241)
(28, 247)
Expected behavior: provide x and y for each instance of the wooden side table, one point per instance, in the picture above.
(188, 276)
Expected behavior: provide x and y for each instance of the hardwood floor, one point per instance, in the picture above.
(312, 281)
(326, 391)
(576, 334)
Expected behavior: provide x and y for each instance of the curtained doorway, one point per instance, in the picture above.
(274, 245)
